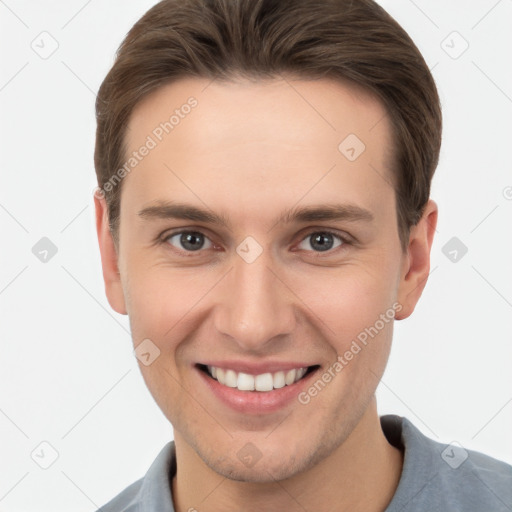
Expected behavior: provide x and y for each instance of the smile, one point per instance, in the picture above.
(262, 382)
(255, 389)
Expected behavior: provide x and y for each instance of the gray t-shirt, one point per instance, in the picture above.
(435, 478)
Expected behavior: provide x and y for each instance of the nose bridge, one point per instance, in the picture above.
(256, 307)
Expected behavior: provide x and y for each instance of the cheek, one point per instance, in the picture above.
(353, 307)
(349, 299)
(160, 302)
(357, 318)
(162, 309)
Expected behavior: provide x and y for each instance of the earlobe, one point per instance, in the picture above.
(109, 258)
(416, 263)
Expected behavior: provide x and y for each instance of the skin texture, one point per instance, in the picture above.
(250, 150)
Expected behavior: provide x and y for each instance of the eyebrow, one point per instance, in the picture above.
(334, 212)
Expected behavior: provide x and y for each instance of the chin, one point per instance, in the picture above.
(268, 471)
(280, 465)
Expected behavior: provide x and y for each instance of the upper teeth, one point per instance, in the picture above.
(262, 382)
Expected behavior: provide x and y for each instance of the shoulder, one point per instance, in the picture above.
(474, 478)
(439, 477)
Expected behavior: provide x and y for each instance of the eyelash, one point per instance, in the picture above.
(163, 240)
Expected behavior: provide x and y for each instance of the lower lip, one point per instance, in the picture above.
(255, 402)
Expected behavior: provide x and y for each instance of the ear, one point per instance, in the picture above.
(416, 262)
(109, 258)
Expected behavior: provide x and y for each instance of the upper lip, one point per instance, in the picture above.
(253, 368)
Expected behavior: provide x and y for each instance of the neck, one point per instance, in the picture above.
(362, 474)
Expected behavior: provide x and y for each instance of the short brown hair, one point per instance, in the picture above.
(354, 40)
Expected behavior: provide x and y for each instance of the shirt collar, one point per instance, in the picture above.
(156, 490)
(419, 465)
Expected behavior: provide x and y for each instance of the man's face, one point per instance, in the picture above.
(263, 293)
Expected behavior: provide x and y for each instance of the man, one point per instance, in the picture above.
(264, 216)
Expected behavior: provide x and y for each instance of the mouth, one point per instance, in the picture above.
(260, 383)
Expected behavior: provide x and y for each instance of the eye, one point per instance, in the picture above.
(323, 241)
(189, 241)
(320, 241)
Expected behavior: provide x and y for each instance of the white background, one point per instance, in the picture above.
(67, 371)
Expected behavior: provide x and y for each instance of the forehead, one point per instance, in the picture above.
(306, 109)
(271, 140)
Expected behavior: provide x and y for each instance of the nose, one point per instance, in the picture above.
(256, 307)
